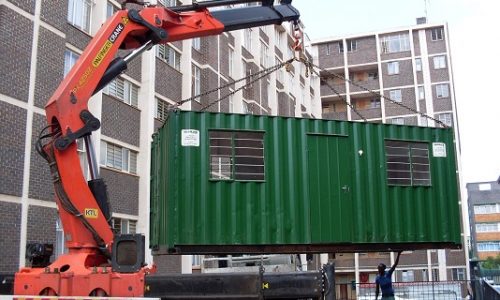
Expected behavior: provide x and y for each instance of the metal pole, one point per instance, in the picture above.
(215, 3)
(91, 157)
(329, 281)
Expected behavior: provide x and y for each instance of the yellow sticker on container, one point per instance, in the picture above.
(90, 213)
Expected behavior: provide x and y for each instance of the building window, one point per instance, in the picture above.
(407, 276)
(197, 43)
(395, 43)
(486, 209)
(280, 74)
(231, 61)
(79, 13)
(424, 121)
(169, 55)
(375, 103)
(82, 154)
(421, 93)
(119, 158)
(264, 55)
(458, 274)
(196, 82)
(437, 34)
(418, 64)
(398, 121)
(162, 109)
(352, 45)
(169, 3)
(60, 247)
(341, 47)
(407, 163)
(279, 36)
(487, 227)
(123, 226)
(442, 91)
(247, 39)
(329, 49)
(70, 59)
(124, 90)
(439, 62)
(231, 101)
(395, 95)
(446, 118)
(393, 67)
(110, 9)
(236, 155)
(488, 246)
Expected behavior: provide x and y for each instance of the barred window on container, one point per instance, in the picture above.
(407, 163)
(237, 155)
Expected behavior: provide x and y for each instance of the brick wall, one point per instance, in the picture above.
(224, 55)
(209, 51)
(209, 81)
(41, 186)
(41, 225)
(12, 139)
(438, 75)
(167, 81)
(50, 65)
(366, 51)
(416, 43)
(15, 41)
(10, 226)
(55, 15)
(120, 121)
(408, 99)
(26, 5)
(438, 46)
(334, 59)
(405, 76)
(123, 191)
(134, 67)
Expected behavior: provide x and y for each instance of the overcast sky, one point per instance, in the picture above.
(475, 48)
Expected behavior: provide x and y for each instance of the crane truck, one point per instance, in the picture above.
(100, 262)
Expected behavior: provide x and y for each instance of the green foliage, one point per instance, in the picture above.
(491, 263)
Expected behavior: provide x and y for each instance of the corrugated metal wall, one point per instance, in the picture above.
(325, 184)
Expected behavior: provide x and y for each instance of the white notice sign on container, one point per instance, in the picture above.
(439, 149)
(190, 138)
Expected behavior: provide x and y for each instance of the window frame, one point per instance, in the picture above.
(128, 165)
(196, 43)
(78, 12)
(130, 91)
(393, 68)
(70, 59)
(352, 45)
(437, 34)
(396, 95)
(395, 43)
(233, 158)
(196, 82)
(439, 62)
(440, 90)
(169, 55)
(446, 118)
(418, 64)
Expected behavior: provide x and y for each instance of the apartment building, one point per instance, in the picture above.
(39, 43)
(411, 67)
(484, 218)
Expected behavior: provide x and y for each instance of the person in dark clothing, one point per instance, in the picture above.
(384, 280)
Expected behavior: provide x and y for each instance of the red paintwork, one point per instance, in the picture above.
(82, 277)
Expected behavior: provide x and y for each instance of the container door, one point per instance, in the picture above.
(330, 167)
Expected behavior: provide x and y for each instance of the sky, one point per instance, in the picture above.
(475, 52)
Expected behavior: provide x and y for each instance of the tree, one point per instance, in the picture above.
(491, 262)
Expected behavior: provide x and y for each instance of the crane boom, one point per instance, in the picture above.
(83, 206)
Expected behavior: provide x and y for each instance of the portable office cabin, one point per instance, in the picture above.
(230, 183)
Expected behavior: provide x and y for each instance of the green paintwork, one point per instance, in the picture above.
(318, 189)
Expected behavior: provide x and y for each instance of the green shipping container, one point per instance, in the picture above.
(230, 183)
